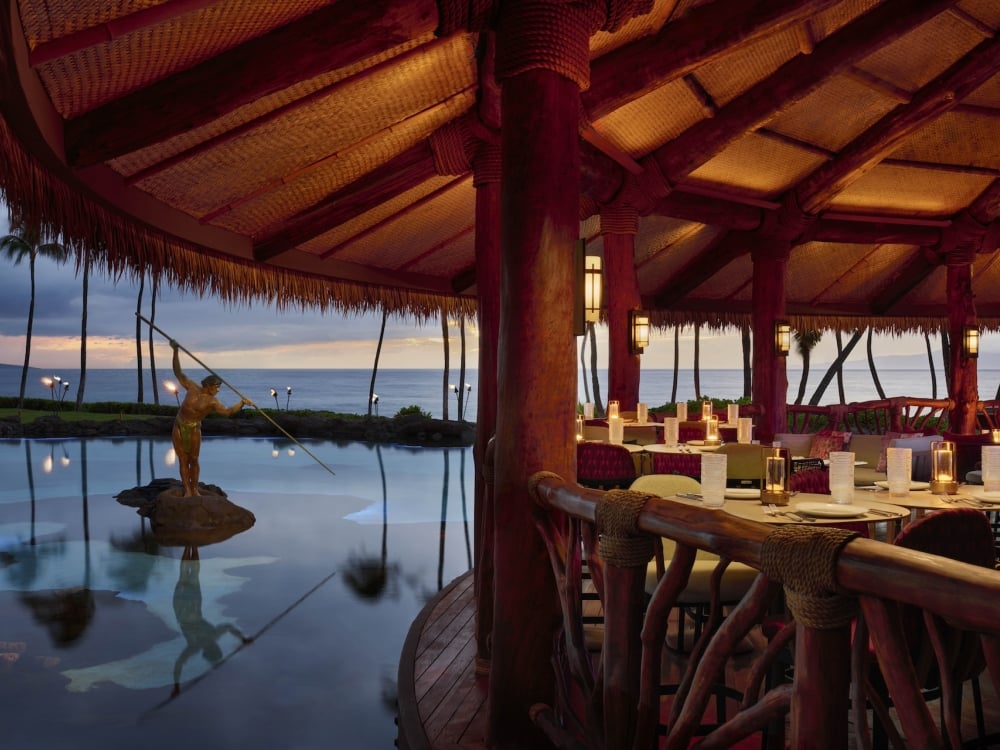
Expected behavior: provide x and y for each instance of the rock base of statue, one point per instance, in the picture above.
(184, 521)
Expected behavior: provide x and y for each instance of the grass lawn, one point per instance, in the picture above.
(69, 415)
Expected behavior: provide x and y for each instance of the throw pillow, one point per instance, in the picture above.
(825, 441)
(887, 438)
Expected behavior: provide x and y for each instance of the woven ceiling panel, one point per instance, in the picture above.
(406, 237)
(133, 163)
(838, 16)
(343, 233)
(692, 239)
(911, 190)
(456, 255)
(257, 214)
(44, 21)
(757, 166)
(987, 95)
(730, 76)
(858, 271)
(857, 108)
(960, 138)
(984, 11)
(912, 61)
(86, 79)
(643, 125)
(732, 282)
(658, 234)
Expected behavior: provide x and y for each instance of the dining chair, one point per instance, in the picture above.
(695, 600)
(964, 535)
(604, 466)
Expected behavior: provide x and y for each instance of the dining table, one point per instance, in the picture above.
(810, 508)
(919, 499)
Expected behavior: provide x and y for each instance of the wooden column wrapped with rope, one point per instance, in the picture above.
(804, 559)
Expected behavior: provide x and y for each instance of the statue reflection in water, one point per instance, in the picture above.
(201, 635)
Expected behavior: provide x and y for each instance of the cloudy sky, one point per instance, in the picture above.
(259, 336)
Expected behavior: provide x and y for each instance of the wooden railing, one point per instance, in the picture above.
(616, 703)
(899, 414)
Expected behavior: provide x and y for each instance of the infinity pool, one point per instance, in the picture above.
(286, 635)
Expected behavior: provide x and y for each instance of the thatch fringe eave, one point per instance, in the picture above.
(98, 235)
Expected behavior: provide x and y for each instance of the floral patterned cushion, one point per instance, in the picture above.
(828, 440)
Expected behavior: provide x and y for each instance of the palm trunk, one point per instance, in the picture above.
(832, 370)
(461, 369)
(930, 364)
(871, 367)
(138, 335)
(27, 335)
(598, 406)
(840, 370)
(806, 358)
(677, 357)
(378, 353)
(946, 357)
(697, 363)
(152, 358)
(444, 336)
(747, 358)
(583, 368)
(83, 331)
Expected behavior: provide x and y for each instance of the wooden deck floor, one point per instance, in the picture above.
(442, 699)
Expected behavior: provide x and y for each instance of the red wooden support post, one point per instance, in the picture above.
(487, 182)
(618, 228)
(770, 379)
(536, 370)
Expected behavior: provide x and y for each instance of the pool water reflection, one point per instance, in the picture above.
(285, 635)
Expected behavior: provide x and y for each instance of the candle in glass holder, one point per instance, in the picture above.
(995, 435)
(706, 410)
(943, 478)
(773, 489)
(612, 409)
(579, 427)
(712, 430)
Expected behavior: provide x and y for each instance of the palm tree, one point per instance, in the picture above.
(445, 389)
(805, 342)
(871, 366)
(677, 356)
(138, 334)
(930, 363)
(378, 353)
(697, 361)
(747, 361)
(152, 319)
(85, 270)
(842, 355)
(598, 406)
(583, 367)
(29, 244)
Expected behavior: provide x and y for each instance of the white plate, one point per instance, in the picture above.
(913, 485)
(742, 493)
(987, 497)
(831, 510)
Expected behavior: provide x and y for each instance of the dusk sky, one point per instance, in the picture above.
(259, 336)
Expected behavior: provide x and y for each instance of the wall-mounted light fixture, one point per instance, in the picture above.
(970, 342)
(638, 325)
(782, 338)
(592, 288)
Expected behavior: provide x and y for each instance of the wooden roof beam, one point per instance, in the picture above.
(703, 34)
(405, 171)
(113, 29)
(792, 82)
(816, 191)
(323, 41)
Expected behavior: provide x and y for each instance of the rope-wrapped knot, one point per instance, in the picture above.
(804, 559)
(617, 517)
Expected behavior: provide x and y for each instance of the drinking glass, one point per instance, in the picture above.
(616, 430)
(899, 469)
(641, 412)
(588, 410)
(713, 479)
(842, 476)
(732, 414)
(682, 411)
(744, 430)
(991, 468)
(670, 430)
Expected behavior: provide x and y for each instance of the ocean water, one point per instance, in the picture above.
(346, 391)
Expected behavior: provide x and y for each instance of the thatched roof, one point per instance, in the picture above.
(319, 154)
